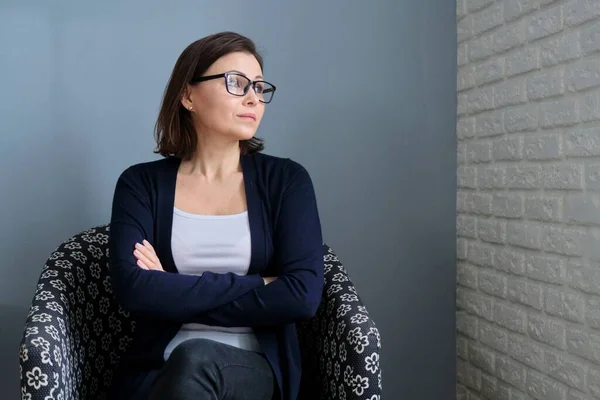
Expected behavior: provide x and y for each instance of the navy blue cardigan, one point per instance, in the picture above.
(286, 242)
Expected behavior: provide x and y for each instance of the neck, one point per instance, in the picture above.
(215, 159)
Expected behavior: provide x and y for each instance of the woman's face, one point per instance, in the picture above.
(216, 111)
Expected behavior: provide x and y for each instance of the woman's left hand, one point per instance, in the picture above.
(146, 256)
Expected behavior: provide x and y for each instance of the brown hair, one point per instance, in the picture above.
(174, 130)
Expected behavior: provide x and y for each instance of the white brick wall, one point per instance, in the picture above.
(528, 223)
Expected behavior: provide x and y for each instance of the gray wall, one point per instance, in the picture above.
(366, 101)
(528, 199)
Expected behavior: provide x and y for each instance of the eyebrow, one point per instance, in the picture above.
(240, 72)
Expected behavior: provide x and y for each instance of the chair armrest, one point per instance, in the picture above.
(343, 339)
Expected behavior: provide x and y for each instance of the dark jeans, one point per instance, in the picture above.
(201, 369)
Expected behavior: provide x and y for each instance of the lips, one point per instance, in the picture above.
(248, 115)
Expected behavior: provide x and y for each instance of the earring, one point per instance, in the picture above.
(190, 108)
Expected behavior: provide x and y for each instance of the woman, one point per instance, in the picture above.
(215, 249)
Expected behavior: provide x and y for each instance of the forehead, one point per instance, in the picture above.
(243, 62)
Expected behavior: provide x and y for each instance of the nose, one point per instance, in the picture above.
(251, 98)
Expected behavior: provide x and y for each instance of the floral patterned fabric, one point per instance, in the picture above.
(75, 332)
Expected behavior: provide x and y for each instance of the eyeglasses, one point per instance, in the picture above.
(238, 84)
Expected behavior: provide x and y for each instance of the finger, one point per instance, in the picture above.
(147, 244)
(143, 258)
(150, 255)
(142, 265)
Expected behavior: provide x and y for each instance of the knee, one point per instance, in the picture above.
(197, 353)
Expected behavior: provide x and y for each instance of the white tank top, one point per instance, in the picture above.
(219, 244)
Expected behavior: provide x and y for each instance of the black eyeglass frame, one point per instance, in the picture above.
(225, 75)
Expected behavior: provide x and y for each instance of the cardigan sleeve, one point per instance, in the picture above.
(159, 294)
(296, 294)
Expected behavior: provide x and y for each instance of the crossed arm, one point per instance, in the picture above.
(141, 285)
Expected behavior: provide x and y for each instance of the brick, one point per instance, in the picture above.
(492, 388)
(524, 234)
(543, 387)
(557, 113)
(592, 312)
(543, 147)
(579, 11)
(594, 378)
(511, 371)
(481, 47)
(582, 276)
(473, 396)
(543, 208)
(467, 177)
(510, 92)
(478, 203)
(510, 261)
(582, 343)
(516, 8)
(521, 118)
(466, 226)
(547, 330)
(476, 304)
(492, 283)
(464, 28)
(592, 177)
(527, 293)
(482, 358)
(487, 19)
(560, 49)
(525, 350)
(565, 304)
(590, 38)
(461, 153)
(508, 205)
(492, 231)
(466, 275)
(545, 23)
(517, 395)
(589, 104)
(461, 249)
(462, 392)
(469, 375)
(574, 395)
(462, 54)
(563, 240)
(583, 74)
(489, 71)
(546, 83)
(583, 143)
(493, 336)
(508, 148)
(522, 60)
(491, 177)
(545, 269)
(509, 36)
(591, 247)
(474, 5)
(489, 123)
(465, 77)
(461, 8)
(465, 128)
(524, 177)
(461, 104)
(467, 324)
(479, 152)
(462, 347)
(563, 176)
(480, 99)
(582, 208)
(566, 369)
(481, 254)
(513, 317)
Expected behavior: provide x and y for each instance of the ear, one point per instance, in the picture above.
(186, 98)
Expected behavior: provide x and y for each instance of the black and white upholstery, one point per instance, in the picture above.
(75, 332)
